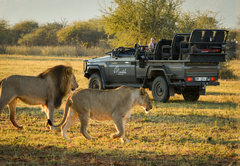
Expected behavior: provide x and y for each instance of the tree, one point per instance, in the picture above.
(232, 34)
(46, 35)
(134, 21)
(238, 39)
(5, 35)
(197, 20)
(81, 33)
(22, 28)
(27, 40)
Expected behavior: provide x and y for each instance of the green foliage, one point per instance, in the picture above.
(124, 23)
(232, 34)
(46, 35)
(225, 71)
(81, 33)
(27, 40)
(5, 35)
(136, 21)
(23, 28)
(197, 20)
(238, 39)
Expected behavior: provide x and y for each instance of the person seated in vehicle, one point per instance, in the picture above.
(152, 44)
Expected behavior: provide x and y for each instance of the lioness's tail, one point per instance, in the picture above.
(68, 104)
(1, 87)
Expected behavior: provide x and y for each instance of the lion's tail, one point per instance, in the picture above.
(68, 104)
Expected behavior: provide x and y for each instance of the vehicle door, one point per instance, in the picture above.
(121, 68)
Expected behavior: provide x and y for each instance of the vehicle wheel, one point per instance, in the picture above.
(95, 82)
(160, 90)
(189, 96)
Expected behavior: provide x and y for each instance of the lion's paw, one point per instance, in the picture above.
(92, 138)
(19, 127)
(125, 140)
(115, 135)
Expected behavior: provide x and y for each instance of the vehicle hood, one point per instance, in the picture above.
(101, 59)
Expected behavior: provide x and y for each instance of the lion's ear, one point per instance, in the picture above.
(142, 91)
(69, 71)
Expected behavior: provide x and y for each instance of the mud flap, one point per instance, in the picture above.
(171, 90)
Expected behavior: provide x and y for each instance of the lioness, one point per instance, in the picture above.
(47, 89)
(103, 105)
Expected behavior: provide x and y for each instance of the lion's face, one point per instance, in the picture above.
(146, 101)
(74, 84)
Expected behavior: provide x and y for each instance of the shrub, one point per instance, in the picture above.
(225, 71)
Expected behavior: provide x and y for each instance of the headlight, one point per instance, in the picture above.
(84, 65)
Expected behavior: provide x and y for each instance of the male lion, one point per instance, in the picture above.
(103, 105)
(47, 89)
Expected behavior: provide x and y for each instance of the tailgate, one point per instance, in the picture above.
(202, 73)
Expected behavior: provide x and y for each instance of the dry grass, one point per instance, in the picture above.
(174, 133)
(55, 51)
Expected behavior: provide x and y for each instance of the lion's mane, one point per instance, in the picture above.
(60, 76)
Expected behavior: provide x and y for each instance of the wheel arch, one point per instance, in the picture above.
(157, 72)
(154, 73)
(96, 69)
(92, 71)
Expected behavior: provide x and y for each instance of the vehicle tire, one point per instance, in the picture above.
(160, 90)
(189, 96)
(95, 82)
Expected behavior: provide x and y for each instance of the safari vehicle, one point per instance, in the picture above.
(184, 65)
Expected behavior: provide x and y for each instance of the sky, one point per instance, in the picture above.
(47, 11)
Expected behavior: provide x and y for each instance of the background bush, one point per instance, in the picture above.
(226, 72)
